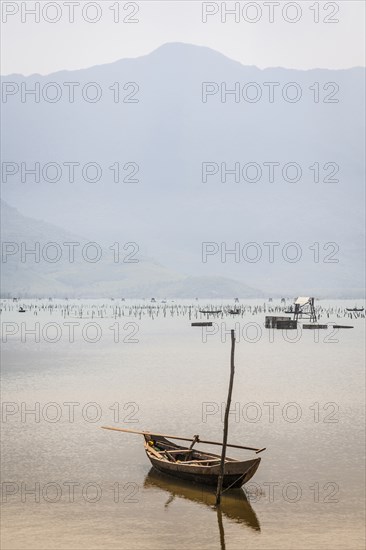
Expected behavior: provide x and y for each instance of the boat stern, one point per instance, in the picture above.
(251, 470)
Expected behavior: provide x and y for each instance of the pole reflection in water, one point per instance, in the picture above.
(234, 504)
(221, 528)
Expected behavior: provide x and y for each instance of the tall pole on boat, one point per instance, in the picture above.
(226, 421)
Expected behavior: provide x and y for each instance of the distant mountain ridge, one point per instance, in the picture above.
(30, 271)
(170, 132)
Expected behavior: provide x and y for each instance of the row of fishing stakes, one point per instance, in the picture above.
(115, 309)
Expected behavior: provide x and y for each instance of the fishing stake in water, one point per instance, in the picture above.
(226, 420)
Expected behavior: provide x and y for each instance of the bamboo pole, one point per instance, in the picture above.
(226, 421)
(183, 438)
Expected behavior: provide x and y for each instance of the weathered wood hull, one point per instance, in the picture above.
(236, 473)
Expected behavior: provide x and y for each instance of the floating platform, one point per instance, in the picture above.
(284, 323)
(289, 324)
(271, 320)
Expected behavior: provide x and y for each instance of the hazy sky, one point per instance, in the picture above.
(44, 47)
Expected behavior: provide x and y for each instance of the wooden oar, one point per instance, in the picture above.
(183, 438)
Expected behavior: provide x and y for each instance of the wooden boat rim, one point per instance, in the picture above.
(196, 438)
(193, 463)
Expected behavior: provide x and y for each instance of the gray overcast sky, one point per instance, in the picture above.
(44, 47)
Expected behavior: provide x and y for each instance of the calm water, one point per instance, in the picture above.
(67, 484)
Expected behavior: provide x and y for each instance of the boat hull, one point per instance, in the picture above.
(236, 473)
(234, 481)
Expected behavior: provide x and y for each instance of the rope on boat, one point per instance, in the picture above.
(233, 483)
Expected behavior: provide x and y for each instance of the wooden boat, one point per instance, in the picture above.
(194, 465)
(197, 466)
(355, 309)
(234, 311)
(210, 311)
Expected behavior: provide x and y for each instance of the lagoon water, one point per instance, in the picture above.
(67, 484)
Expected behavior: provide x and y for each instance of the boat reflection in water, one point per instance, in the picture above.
(234, 503)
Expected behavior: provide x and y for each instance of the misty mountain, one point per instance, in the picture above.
(42, 260)
(160, 123)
